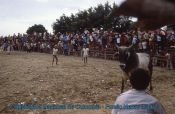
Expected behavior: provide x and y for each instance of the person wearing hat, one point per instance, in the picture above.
(55, 52)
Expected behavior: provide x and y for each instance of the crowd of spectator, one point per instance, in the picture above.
(157, 41)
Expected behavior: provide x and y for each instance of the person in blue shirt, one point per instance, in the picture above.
(65, 48)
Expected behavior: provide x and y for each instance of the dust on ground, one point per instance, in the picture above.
(29, 78)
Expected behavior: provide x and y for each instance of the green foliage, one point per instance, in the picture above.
(36, 28)
(102, 16)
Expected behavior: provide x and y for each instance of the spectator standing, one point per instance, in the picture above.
(169, 64)
(8, 48)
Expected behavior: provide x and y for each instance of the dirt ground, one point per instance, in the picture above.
(29, 78)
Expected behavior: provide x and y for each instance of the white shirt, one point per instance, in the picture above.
(134, 40)
(159, 38)
(28, 45)
(42, 45)
(73, 41)
(85, 51)
(138, 98)
(48, 46)
(55, 51)
(144, 44)
(118, 40)
(168, 56)
(91, 39)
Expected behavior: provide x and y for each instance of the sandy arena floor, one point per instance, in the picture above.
(30, 79)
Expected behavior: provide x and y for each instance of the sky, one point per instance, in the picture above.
(17, 16)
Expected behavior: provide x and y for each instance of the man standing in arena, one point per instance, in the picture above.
(55, 52)
(85, 54)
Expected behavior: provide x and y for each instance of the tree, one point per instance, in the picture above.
(102, 16)
(36, 28)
